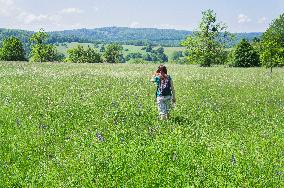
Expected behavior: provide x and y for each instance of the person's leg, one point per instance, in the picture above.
(167, 103)
(162, 108)
(163, 116)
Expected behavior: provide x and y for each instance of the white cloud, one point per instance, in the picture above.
(72, 11)
(29, 18)
(172, 26)
(10, 10)
(134, 24)
(22, 18)
(96, 9)
(6, 4)
(167, 26)
(262, 20)
(243, 18)
(76, 26)
(6, 7)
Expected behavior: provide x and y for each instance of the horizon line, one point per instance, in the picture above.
(49, 31)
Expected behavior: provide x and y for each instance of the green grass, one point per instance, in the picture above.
(131, 48)
(95, 125)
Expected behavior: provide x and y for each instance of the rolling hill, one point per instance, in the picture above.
(122, 35)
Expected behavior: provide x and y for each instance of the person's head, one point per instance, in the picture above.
(162, 69)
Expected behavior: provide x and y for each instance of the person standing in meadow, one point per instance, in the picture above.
(165, 93)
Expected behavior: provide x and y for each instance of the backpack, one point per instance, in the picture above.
(164, 87)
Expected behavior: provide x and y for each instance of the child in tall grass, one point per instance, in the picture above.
(165, 92)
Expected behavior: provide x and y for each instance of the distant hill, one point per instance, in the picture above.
(123, 35)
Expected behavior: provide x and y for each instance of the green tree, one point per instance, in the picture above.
(39, 47)
(207, 45)
(60, 57)
(147, 57)
(177, 55)
(113, 53)
(148, 48)
(245, 56)
(272, 44)
(41, 51)
(230, 58)
(133, 55)
(75, 55)
(160, 55)
(157, 55)
(102, 49)
(80, 55)
(50, 54)
(256, 44)
(92, 55)
(12, 50)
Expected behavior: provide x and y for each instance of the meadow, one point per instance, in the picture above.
(96, 125)
(127, 48)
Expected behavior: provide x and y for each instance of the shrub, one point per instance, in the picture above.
(12, 50)
(245, 56)
(80, 55)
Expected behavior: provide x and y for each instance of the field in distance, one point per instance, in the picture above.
(126, 48)
(96, 125)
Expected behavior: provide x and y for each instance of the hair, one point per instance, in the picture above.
(162, 68)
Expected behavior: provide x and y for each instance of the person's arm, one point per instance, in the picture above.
(153, 78)
(173, 92)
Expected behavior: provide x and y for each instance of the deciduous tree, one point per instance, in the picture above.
(113, 53)
(207, 45)
(39, 48)
(12, 50)
(80, 55)
(272, 44)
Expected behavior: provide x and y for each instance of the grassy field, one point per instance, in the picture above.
(130, 48)
(95, 125)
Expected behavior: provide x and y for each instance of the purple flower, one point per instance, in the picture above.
(234, 160)
(100, 137)
(18, 122)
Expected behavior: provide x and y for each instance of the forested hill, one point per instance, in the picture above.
(123, 35)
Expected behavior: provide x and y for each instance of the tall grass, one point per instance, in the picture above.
(96, 125)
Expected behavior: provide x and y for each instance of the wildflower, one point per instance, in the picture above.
(174, 156)
(115, 122)
(18, 122)
(150, 130)
(100, 137)
(42, 126)
(140, 106)
(234, 160)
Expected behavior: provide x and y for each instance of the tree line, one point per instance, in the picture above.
(13, 49)
(121, 35)
(208, 45)
(41, 51)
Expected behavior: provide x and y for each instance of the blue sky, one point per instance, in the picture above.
(238, 15)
